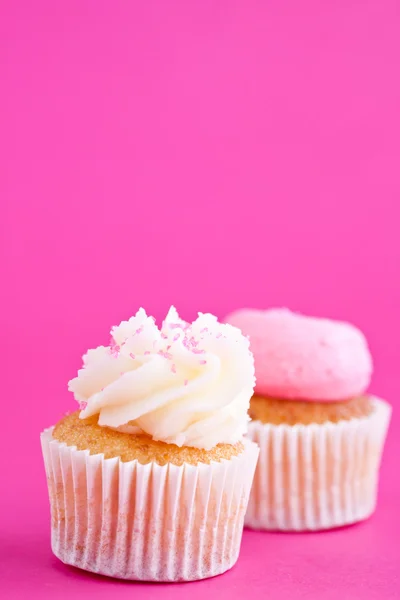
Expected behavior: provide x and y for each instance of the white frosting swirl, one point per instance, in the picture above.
(186, 384)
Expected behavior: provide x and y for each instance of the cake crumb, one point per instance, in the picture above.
(86, 434)
(277, 411)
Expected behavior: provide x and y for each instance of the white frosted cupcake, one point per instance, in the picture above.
(150, 479)
(320, 434)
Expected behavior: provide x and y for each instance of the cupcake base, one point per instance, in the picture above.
(280, 411)
(317, 476)
(146, 522)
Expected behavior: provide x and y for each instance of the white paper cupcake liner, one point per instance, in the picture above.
(313, 477)
(146, 522)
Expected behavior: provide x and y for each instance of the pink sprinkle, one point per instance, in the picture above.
(190, 343)
(164, 337)
(197, 351)
(114, 350)
(132, 356)
(139, 330)
(204, 330)
(83, 405)
(167, 355)
(219, 335)
(203, 362)
(173, 368)
(147, 353)
(186, 381)
(176, 337)
(168, 347)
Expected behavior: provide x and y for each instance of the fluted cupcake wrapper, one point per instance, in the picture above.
(146, 522)
(313, 477)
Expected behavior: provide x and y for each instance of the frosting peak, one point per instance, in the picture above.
(186, 384)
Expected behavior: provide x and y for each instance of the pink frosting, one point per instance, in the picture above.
(305, 358)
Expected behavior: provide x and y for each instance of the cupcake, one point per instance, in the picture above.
(149, 480)
(320, 435)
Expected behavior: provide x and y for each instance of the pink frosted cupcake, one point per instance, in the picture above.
(150, 479)
(320, 435)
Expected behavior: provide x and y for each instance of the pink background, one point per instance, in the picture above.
(210, 154)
